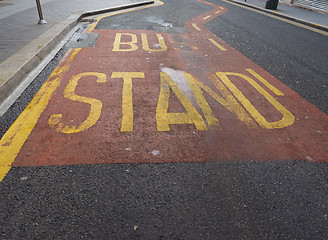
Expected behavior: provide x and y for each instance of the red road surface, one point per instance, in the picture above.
(226, 111)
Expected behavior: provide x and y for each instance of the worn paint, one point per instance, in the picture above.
(196, 27)
(164, 119)
(131, 44)
(161, 42)
(217, 44)
(227, 100)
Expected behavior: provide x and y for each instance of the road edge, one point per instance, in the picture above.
(297, 20)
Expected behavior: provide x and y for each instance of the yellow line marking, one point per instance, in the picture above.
(222, 8)
(15, 137)
(195, 26)
(280, 19)
(212, 121)
(93, 25)
(217, 45)
(227, 100)
(207, 17)
(265, 82)
(218, 12)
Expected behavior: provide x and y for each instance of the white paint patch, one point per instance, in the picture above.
(155, 152)
(180, 79)
(158, 21)
(309, 158)
(24, 178)
(128, 149)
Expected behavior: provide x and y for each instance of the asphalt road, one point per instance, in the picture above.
(183, 200)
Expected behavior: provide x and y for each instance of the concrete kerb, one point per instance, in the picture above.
(310, 24)
(16, 68)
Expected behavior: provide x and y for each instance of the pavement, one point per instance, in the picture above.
(24, 43)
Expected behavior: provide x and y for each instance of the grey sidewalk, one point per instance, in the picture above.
(19, 28)
(305, 16)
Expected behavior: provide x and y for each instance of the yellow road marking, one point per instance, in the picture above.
(127, 103)
(227, 100)
(287, 119)
(207, 17)
(195, 26)
(92, 26)
(212, 121)
(218, 12)
(217, 45)
(164, 118)
(161, 42)
(118, 42)
(265, 82)
(15, 137)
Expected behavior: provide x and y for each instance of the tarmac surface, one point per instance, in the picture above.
(152, 169)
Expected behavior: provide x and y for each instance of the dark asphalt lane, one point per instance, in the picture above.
(171, 15)
(219, 200)
(275, 200)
